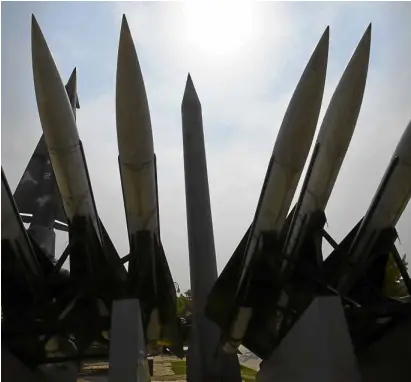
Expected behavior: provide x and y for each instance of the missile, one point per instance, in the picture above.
(286, 164)
(330, 149)
(37, 195)
(149, 274)
(202, 362)
(92, 253)
(61, 135)
(386, 208)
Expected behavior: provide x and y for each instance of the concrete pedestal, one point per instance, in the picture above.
(317, 349)
(127, 355)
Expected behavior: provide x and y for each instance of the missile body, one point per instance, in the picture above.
(288, 158)
(202, 364)
(92, 254)
(291, 149)
(332, 144)
(61, 135)
(386, 208)
(149, 274)
(37, 193)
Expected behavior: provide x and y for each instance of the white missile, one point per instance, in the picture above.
(332, 143)
(386, 208)
(60, 133)
(284, 171)
(135, 139)
(148, 268)
(291, 149)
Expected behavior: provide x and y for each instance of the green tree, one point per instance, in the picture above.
(394, 285)
(184, 304)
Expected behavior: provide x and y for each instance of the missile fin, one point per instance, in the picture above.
(333, 263)
(221, 299)
(167, 303)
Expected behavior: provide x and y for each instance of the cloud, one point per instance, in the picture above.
(244, 96)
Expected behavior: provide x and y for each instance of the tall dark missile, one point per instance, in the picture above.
(149, 274)
(201, 364)
(92, 253)
(332, 144)
(386, 208)
(257, 256)
(37, 195)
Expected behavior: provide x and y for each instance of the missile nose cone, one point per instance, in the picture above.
(190, 95)
(132, 111)
(319, 57)
(38, 42)
(127, 60)
(365, 42)
(55, 113)
(125, 29)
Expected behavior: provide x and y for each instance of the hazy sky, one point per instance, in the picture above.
(245, 61)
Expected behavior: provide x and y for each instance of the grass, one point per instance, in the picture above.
(179, 368)
(247, 374)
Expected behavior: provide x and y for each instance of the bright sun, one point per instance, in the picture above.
(218, 28)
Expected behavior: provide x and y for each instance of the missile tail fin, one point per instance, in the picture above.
(167, 303)
(333, 263)
(224, 290)
(29, 190)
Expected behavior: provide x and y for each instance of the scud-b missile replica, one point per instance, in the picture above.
(277, 272)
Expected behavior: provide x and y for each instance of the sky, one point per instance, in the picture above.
(245, 60)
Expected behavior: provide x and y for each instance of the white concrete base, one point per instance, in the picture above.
(317, 349)
(127, 355)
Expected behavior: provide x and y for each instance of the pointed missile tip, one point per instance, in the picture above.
(125, 33)
(327, 31)
(34, 22)
(369, 28)
(124, 24)
(367, 33)
(189, 81)
(190, 93)
(365, 40)
(35, 28)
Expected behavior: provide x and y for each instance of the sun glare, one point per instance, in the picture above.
(218, 28)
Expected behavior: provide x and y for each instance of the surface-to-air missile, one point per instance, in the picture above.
(253, 270)
(37, 196)
(149, 274)
(332, 144)
(93, 257)
(302, 246)
(375, 234)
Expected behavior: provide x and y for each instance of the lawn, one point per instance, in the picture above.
(178, 367)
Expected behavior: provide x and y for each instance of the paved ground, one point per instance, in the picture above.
(97, 371)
